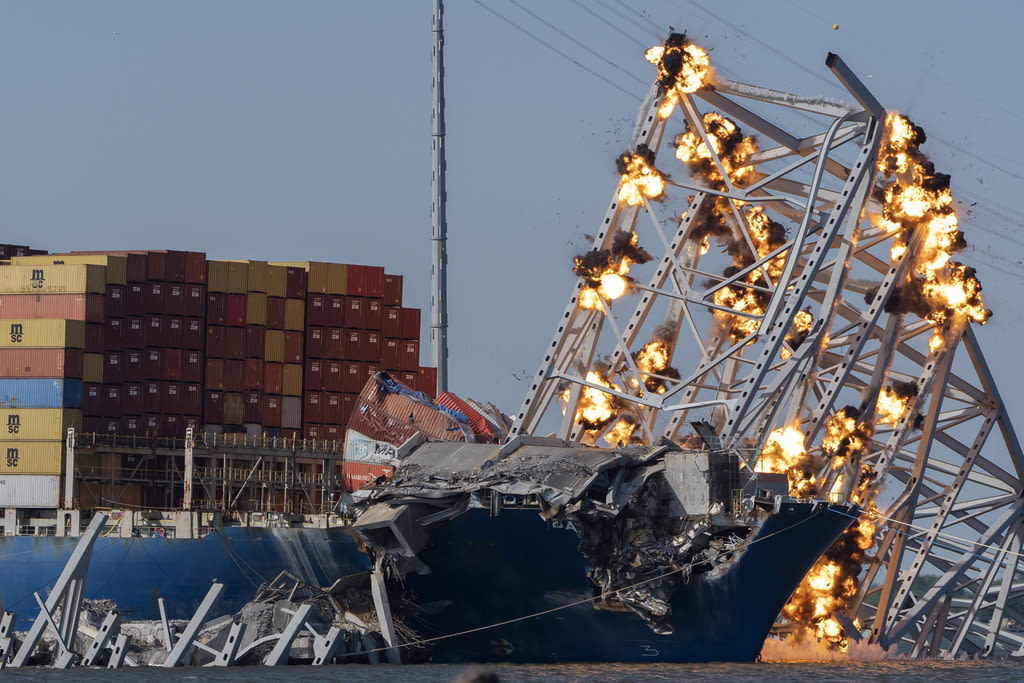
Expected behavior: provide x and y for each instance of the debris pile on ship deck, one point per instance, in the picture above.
(649, 519)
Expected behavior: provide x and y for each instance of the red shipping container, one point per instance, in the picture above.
(409, 379)
(215, 342)
(132, 365)
(374, 314)
(131, 424)
(315, 342)
(254, 374)
(113, 302)
(392, 290)
(174, 332)
(154, 330)
(293, 347)
(192, 367)
(215, 373)
(331, 407)
(193, 334)
(334, 375)
(313, 410)
(410, 323)
(391, 323)
(171, 427)
(174, 362)
(270, 411)
(131, 398)
(92, 403)
(217, 308)
(213, 412)
(235, 310)
(153, 364)
(348, 404)
(476, 421)
(255, 341)
(94, 337)
(353, 376)
(315, 310)
(172, 399)
(334, 346)
(195, 267)
(365, 281)
(335, 311)
(111, 396)
(154, 297)
(156, 265)
(195, 301)
(427, 381)
(53, 363)
(253, 400)
(295, 282)
(110, 426)
(192, 399)
(311, 431)
(174, 299)
(113, 367)
(391, 355)
(273, 380)
(134, 332)
(314, 379)
(151, 424)
(355, 312)
(333, 433)
(234, 375)
(234, 342)
(135, 299)
(356, 475)
(353, 349)
(275, 313)
(234, 408)
(175, 264)
(113, 334)
(152, 397)
(372, 346)
(410, 355)
(87, 307)
(190, 422)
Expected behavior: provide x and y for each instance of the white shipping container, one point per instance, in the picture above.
(29, 490)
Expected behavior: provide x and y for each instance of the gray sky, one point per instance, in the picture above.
(294, 131)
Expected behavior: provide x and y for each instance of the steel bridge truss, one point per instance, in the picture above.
(943, 575)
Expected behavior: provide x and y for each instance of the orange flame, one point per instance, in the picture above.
(728, 143)
(639, 177)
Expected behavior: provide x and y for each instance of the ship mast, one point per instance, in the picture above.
(439, 224)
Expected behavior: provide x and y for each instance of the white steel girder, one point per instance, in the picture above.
(827, 331)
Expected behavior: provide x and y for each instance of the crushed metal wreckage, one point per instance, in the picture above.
(648, 519)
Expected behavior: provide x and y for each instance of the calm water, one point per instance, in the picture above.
(816, 672)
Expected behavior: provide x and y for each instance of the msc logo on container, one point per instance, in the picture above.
(17, 333)
(12, 457)
(37, 278)
(13, 424)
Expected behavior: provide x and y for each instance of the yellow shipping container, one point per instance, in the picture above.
(92, 368)
(277, 281)
(38, 424)
(291, 385)
(259, 274)
(31, 457)
(227, 276)
(53, 279)
(256, 308)
(273, 346)
(42, 333)
(294, 314)
(323, 278)
(117, 266)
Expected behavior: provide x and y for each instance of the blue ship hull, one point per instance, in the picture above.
(134, 572)
(488, 570)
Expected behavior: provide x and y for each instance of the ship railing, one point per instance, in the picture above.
(208, 440)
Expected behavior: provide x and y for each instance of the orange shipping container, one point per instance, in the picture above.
(277, 281)
(88, 307)
(51, 363)
(294, 314)
(227, 276)
(256, 309)
(292, 382)
(58, 279)
(356, 475)
(273, 346)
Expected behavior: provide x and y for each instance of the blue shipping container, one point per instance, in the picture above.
(40, 393)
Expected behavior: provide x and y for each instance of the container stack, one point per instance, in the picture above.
(226, 330)
(43, 312)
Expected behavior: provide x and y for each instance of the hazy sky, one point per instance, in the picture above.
(294, 131)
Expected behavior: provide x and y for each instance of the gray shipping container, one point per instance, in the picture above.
(29, 490)
(291, 412)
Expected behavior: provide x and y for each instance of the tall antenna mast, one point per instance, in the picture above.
(439, 223)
